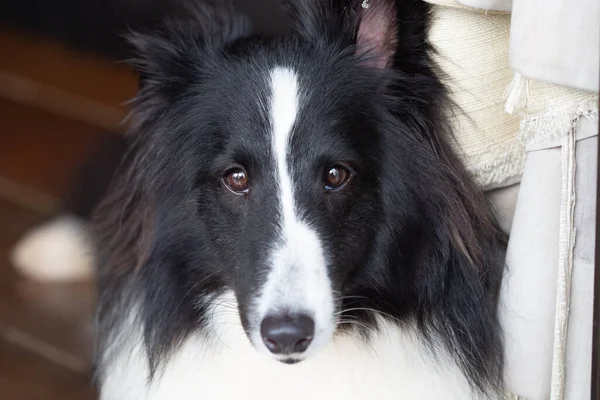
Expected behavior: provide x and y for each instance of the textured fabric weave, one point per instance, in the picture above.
(481, 6)
(472, 50)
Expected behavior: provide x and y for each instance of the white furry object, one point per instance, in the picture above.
(57, 251)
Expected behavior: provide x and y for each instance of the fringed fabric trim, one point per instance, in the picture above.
(500, 164)
(556, 123)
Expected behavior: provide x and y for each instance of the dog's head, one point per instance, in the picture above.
(274, 143)
(293, 170)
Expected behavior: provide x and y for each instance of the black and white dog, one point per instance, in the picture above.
(292, 222)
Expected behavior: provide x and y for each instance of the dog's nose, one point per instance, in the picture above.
(287, 334)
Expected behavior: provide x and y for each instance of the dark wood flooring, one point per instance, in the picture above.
(54, 105)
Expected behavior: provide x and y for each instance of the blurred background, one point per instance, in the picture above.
(61, 94)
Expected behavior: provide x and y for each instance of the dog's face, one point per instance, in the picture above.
(289, 197)
(285, 189)
(275, 146)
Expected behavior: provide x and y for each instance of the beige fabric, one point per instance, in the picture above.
(557, 41)
(547, 294)
(529, 289)
(496, 5)
(554, 118)
(528, 309)
(466, 6)
(549, 110)
(473, 52)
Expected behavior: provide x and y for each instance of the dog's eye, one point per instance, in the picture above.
(236, 180)
(336, 177)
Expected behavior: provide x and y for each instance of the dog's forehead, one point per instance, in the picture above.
(324, 96)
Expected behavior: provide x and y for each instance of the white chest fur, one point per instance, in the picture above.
(393, 365)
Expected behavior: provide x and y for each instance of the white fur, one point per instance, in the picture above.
(298, 281)
(223, 365)
(59, 250)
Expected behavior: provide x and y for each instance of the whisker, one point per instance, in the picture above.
(350, 322)
(340, 298)
(368, 310)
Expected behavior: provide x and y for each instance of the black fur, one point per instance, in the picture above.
(411, 237)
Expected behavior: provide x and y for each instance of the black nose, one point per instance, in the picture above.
(287, 334)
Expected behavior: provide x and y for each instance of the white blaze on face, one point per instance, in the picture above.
(298, 281)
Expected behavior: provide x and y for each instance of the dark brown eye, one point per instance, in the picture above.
(236, 180)
(336, 177)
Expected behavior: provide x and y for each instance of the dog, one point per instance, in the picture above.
(291, 220)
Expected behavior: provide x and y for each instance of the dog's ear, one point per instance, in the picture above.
(371, 24)
(377, 35)
(173, 53)
(446, 244)
(179, 54)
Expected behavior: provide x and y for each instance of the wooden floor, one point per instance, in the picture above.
(54, 105)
